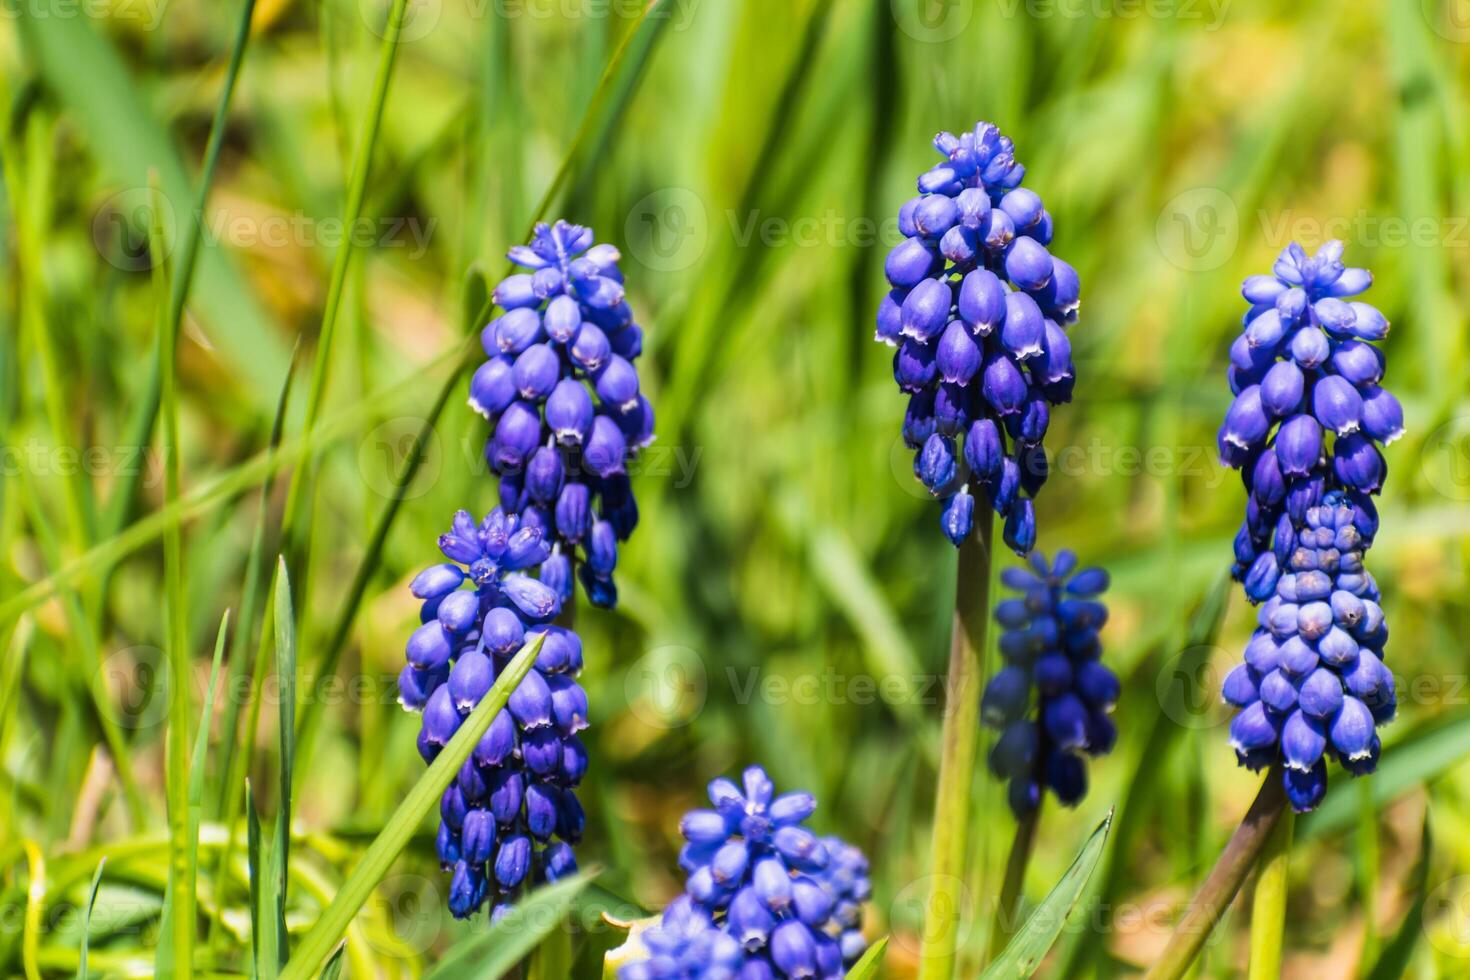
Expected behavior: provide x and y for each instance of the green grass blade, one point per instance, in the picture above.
(867, 967)
(176, 951)
(297, 497)
(285, 621)
(399, 830)
(128, 141)
(142, 424)
(1025, 952)
(258, 933)
(240, 661)
(11, 672)
(1394, 960)
(210, 492)
(333, 969)
(496, 951)
(87, 920)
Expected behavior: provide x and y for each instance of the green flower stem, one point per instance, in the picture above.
(1210, 903)
(1268, 911)
(1368, 869)
(959, 741)
(1008, 909)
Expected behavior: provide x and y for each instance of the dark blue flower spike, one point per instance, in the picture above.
(978, 312)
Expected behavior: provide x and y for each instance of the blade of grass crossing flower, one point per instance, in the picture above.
(1024, 953)
(1393, 963)
(1218, 892)
(176, 950)
(421, 800)
(188, 252)
(286, 688)
(495, 952)
(1268, 908)
(868, 966)
(944, 911)
(87, 921)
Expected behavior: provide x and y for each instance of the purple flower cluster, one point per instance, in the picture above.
(978, 312)
(1309, 414)
(1313, 684)
(1305, 429)
(765, 899)
(1050, 644)
(511, 815)
(564, 400)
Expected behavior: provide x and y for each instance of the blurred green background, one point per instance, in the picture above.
(786, 599)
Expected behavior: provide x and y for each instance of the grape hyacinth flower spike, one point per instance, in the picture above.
(1313, 685)
(765, 898)
(511, 816)
(978, 312)
(1305, 429)
(1050, 646)
(1309, 413)
(566, 408)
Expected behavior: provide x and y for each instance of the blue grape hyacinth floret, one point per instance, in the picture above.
(1305, 428)
(511, 815)
(1313, 685)
(565, 403)
(1309, 413)
(978, 313)
(782, 903)
(1051, 646)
